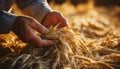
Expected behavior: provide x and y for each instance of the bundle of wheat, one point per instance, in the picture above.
(70, 52)
(63, 54)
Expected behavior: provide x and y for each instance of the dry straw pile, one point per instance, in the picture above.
(92, 42)
(72, 51)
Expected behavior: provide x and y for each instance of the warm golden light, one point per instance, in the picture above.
(91, 42)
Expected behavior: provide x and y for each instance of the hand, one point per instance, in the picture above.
(24, 28)
(54, 18)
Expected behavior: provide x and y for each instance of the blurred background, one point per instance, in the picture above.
(96, 2)
(111, 7)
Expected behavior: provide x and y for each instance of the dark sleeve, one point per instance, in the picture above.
(6, 22)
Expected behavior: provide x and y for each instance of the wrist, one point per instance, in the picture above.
(37, 9)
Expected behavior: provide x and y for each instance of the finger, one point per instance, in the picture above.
(40, 28)
(48, 24)
(63, 23)
(38, 41)
(54, 18)
(49, 21)
(62, 20)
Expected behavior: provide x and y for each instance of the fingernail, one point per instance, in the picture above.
(45, 31)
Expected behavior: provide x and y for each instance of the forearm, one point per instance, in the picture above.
(35, 8)
(6, 21)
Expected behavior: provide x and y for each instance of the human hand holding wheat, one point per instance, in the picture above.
(24, 28)
(55, 18)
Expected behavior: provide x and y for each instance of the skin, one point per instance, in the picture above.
(24, 27)
(55, 18)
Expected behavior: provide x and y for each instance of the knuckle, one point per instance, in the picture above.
(30, 20)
